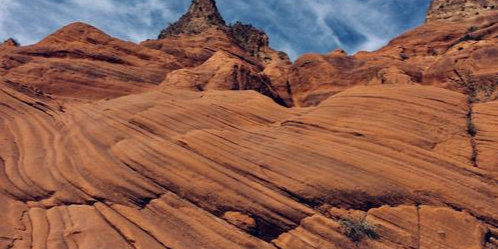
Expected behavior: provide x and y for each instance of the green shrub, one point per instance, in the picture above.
(472, 29)
(358, 229)
(469, 36)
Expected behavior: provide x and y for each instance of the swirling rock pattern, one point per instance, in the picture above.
(161, 169)
(110, 144)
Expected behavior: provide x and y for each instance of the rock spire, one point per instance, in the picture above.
(202, 15)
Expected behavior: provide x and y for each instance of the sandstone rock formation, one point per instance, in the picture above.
(202, 32)
(185, 142)
(161, 169)
(459, 9)
(431, 54)
(223, 71)
(201, 16)
(249, 38)
(10, 42)
(81, 61)
(401, 226)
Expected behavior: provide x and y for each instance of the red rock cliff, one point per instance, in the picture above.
(184, 142)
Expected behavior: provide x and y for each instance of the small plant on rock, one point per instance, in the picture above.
(472, 29)
(358, 229)
(470, 36)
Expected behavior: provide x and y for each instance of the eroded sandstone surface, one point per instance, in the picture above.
(211, 139)
(459, 9)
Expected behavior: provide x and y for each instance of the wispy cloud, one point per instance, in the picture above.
(323, 25)
(294, 26)
(134, 20)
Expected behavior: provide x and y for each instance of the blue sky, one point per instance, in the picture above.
(294, 26)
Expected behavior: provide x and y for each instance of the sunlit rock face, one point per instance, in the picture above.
(458, 9)
(207, 138)
(432, 54)
(202, 31)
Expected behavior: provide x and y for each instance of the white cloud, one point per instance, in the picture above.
(364, 17)
(8, 22)
(294, 26)
(324, 25)
(29, 21)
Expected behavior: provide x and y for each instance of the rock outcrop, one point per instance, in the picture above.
(82, 61)
(249, 38)
(202, 32)
(232, 169)
(459, 9)
(11, 43)
(223, 71)
(201, 16)
(402, 227)
(184, 142)
(431, 54)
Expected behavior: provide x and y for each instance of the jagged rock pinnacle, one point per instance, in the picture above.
(202, 15)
